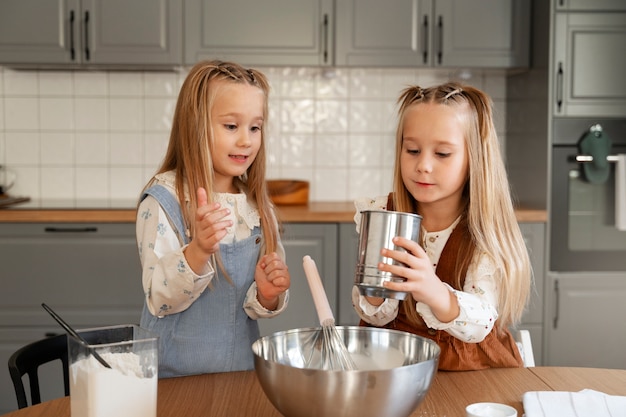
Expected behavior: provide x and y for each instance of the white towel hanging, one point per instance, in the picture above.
(620, 192)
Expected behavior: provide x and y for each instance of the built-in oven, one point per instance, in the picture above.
(582, 215)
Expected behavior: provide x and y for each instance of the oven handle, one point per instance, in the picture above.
(589, 158)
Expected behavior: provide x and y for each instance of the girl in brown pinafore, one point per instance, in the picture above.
(469, 278)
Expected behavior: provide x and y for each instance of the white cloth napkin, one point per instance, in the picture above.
(585, 403)
(620, 192)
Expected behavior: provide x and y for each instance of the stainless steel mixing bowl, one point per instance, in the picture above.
(395, 371)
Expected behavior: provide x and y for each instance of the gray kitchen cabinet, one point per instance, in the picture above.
(589, 63)
(441, 33)
(88, 272)
(584, 321)
(270, 32)
(319, 241)
(534, 236)
(348, 257)
(571, 5)
(91, 32)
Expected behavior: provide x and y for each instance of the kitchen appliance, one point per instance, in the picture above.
(394, 373)
(584, 235)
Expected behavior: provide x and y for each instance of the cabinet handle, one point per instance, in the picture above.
(71, 229)
(325, 38)
(559, 87)
(440, 46)
(72, 50)
(425, 37)
(87, 58)
(555, 322)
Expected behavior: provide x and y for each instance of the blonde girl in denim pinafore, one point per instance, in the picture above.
(214, 334)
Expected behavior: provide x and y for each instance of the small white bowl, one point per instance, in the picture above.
(490, 410)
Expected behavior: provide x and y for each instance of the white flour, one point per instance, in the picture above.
(96, 391)
(378, 359)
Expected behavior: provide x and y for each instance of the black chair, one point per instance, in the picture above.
(26, 361)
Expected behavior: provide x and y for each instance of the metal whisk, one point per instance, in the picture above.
(334, 354)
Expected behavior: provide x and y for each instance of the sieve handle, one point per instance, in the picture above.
(322, 306)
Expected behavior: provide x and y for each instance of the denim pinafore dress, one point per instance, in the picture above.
(214, 334)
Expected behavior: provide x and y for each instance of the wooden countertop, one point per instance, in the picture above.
(315, 212)
(221, 394)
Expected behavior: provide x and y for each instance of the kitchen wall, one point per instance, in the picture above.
(81, 135)
(527, 117)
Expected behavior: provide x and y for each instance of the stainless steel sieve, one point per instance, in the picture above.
(378, 228)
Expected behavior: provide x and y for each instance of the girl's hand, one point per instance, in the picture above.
(210, 228)
(421, 280)
(210, 225)
(272, 279)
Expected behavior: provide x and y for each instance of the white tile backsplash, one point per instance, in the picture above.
(56, 113)
(57, 148)
(101, 134)
(21, 113)
(92, 183)
(92, 148)
(366, 151)
(332, 83)
(20, 83)
(331, 151)
(331, 116)
(125, 182)
(160, 84)
(365, 116)
(154, 147)
(126, 84)
(158, 113)
(297, 116)
(56, 84)
(126, 114)
(90, 84)
(296, 151)
(126, 149)
(91, 114)
(57, 182)
(22, 148)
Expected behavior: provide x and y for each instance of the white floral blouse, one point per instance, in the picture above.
(478, 301)
(167, 279)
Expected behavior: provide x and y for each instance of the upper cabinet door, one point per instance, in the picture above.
(589, 64)
(35, 32)
(443, 33)
(132, 32)
(383, 33)
(589, 5)
(268, 32)
(481, 33)
(116, 32)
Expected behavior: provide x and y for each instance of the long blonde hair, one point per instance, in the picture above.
(191, 143)
(488, 207)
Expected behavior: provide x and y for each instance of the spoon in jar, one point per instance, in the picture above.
(73, 332)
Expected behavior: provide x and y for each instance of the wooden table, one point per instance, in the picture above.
(239, 393)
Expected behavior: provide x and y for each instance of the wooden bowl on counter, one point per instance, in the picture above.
(288, 192)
